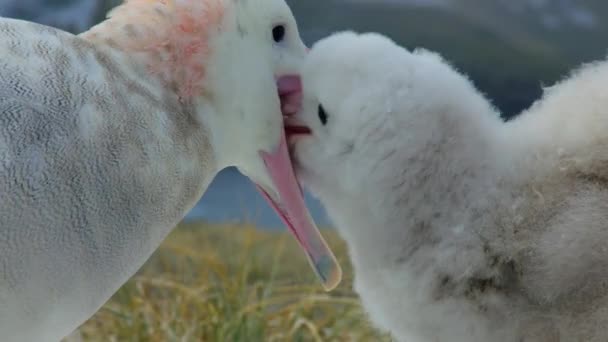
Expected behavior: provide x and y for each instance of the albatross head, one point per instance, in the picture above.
(251, 81)
(236, 63)
(375, 116)
(347, 120)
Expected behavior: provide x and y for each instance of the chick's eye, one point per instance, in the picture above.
(278, 33)
(322, 115)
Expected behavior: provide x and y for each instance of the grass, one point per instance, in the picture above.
(231, 283)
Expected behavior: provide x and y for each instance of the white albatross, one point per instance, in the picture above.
(461, 227)
(109, 138)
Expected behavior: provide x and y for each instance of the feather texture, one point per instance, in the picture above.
(173, 35)
(84, 138)
(461, 227)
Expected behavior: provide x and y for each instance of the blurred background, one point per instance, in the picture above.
(509, 48)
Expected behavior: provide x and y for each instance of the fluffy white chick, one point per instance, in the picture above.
(460, 227)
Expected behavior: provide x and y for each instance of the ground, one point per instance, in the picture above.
(231, 283)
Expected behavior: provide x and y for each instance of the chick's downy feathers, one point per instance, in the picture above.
(460, 226)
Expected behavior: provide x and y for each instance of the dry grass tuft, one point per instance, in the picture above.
(231, 283)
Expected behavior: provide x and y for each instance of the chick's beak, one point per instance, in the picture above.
(290, 93)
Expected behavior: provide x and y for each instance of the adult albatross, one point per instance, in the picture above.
(108, 139)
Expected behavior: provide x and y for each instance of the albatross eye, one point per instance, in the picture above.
(278, 33)
(322, 115)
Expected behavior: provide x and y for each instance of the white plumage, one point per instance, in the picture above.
(461, 227)
(109, 138)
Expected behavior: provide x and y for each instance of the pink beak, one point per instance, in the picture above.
(290, 205)
(290, 91)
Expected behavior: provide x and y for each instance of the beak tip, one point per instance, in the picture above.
(334, 281)
(329, 271)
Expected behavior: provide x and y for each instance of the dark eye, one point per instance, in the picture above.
(322, 115)
(278, 33)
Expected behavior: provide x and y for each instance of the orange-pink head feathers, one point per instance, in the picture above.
(175, 34)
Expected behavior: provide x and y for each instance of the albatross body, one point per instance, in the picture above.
(109, 138)
(461, 227)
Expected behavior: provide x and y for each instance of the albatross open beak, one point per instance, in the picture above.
(281, 189)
